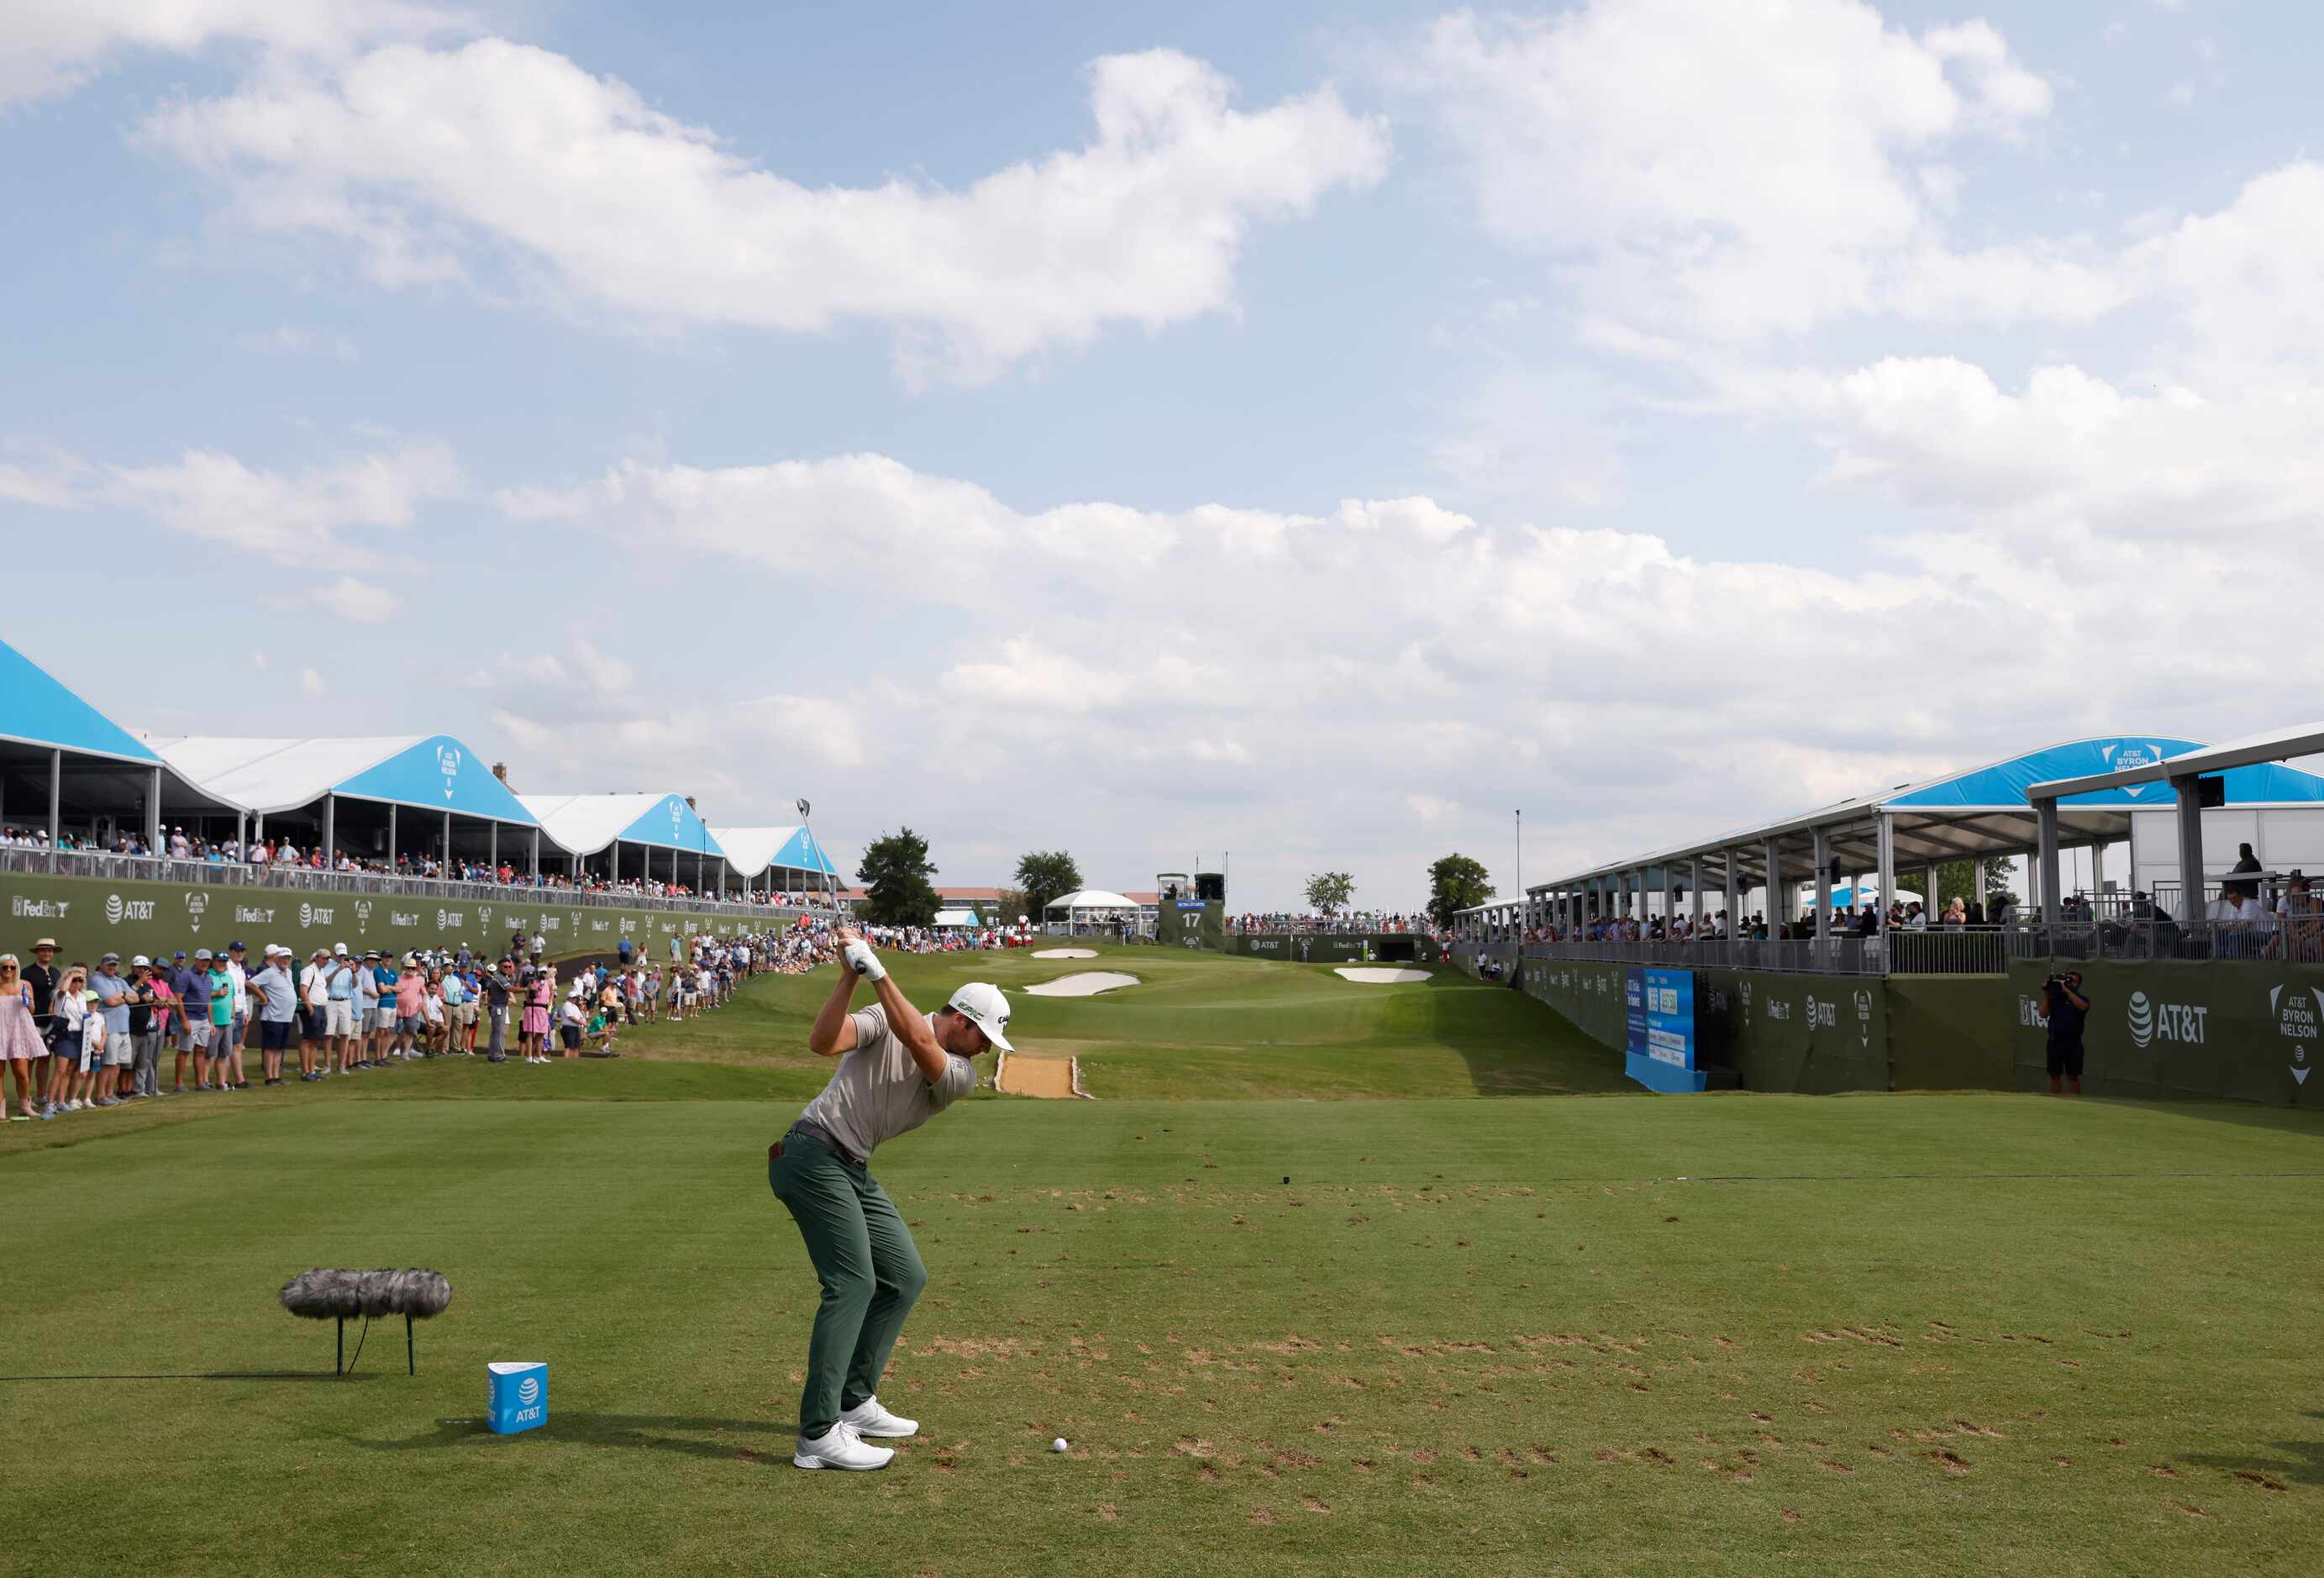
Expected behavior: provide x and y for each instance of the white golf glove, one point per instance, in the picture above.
(863, 962)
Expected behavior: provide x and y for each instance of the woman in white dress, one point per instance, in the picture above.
(19, 1039)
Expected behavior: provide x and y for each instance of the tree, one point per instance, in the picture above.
(1046, 874)
(1010, 906)
(1455, 883)
(1960, 876)
(1328, 893)
(895, 873)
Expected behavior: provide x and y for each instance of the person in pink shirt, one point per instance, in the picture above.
(410, 1008)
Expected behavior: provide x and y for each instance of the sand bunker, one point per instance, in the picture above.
(1088, 983)
(1056, 1078)
(1064, 953)
(1376, 975)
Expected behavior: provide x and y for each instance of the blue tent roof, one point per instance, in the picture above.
(2004, 783)
(36, 709)
(672, 824)
(444, 775)
(802, 853)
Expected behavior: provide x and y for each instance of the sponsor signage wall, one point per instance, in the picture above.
(2246, 1030)
(1334, 948)
(1778, 1032)
(2241, 1030)
(90, 918)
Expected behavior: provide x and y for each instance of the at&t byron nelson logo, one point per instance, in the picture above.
(447, 763)
(363, 915)
(2294, 1010)
(196, 905)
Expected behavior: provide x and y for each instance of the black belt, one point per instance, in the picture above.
(825, 1138)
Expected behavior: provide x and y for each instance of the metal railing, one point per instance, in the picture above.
(1833, 955)
(102, 866)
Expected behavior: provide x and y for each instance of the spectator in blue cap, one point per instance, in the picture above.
(191, 982)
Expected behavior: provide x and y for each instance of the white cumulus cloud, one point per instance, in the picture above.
(431, 164)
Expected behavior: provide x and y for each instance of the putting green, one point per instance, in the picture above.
(1985, 1333)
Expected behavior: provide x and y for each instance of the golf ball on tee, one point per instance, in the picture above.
(1058, 1445)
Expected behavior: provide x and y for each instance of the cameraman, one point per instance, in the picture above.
(2065, 1007)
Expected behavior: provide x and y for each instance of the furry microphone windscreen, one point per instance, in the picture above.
(324, 1293)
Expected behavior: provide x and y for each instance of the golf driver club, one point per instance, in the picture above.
(830, 881)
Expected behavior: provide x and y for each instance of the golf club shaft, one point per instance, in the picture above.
(822, 864)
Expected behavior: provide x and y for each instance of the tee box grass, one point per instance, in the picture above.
(1485, 1327)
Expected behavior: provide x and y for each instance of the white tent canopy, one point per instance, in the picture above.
(586, 825)
(267, 776)
(957, 917)
(1090, 899)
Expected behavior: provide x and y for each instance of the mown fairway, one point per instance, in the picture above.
(1895, 1335)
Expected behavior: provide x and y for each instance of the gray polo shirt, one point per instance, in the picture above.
(880, 1091)
(274, 985)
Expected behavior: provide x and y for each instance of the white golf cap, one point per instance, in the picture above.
(984, 1005)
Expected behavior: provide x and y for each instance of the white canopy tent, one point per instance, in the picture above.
(589, 825)
(1091, 909)
(788, 857)
(435, 778)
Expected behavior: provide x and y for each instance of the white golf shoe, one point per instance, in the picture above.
(869, 1418)
(840, 1447)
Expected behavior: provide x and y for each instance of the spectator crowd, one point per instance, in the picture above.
(76, 1037)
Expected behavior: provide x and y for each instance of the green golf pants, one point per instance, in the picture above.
(870, 1269)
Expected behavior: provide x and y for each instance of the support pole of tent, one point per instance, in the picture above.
(1775, 906)
(493, 847)
(153, 812)
(330, 831)
(241, 832)
(1694, 891)
(391, 839)
(616, 869)
(1887, 853)
(2190, 849)
(448, 843)
(1822, 885)
(1928, 893)
(2045, 820)
(56, 804)
(536, 855)
(1977, 876)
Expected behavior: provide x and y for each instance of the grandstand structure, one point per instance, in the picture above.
(2206, 980)
(2152, 793)
(70, 774)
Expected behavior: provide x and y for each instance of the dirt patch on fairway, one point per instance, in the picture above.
(1088, 983)
(1059, 1078)
(1064, 953)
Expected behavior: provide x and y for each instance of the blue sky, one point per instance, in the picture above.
(1651, 414)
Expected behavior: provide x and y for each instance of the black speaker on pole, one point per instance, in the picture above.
(1208, 885)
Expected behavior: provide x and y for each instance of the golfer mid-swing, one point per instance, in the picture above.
(897, 1068)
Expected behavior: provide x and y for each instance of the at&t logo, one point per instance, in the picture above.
(113, 910)
(528, 1390)
(306, 915)
(2151, 1021)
